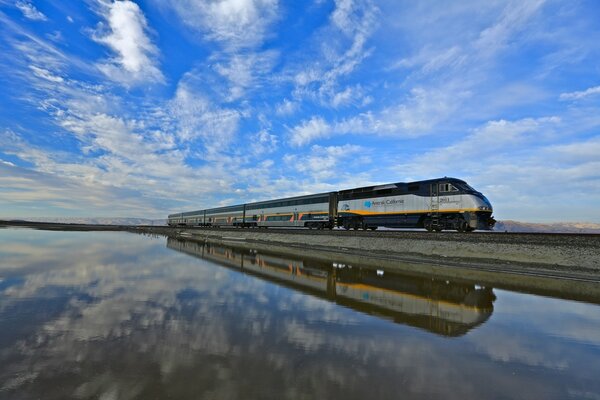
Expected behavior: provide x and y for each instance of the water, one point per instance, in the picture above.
(108, 315)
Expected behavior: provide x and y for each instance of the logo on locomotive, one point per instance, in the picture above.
(380, 203)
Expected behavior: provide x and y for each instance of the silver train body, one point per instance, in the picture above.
(437, 204)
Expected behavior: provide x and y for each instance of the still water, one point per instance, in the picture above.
(106, 315)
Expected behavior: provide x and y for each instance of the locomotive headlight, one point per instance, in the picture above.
(484, 208)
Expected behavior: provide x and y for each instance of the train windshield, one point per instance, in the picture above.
(466, 186)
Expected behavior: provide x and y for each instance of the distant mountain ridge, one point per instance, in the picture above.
(501, 226)
(556, 227)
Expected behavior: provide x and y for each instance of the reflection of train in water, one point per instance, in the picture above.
(442, 307)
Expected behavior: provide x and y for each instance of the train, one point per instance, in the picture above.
(434, 204)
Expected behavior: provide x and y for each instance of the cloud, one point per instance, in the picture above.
(243, 71)
(308, 131)
(286, 107)
(489, 142)
(449, 68)
(342, 48)
(25, 190)
(29, 11)
(232, 23)
(514, 17)
(127, 36)
(581, 94)
(416, 116)
(586, 150)
(322, 163)
(197, 118)
(263, 142)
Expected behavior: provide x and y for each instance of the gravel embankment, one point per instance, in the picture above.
(576, 252)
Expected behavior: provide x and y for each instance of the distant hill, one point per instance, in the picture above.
(97, 221)
(557, 227)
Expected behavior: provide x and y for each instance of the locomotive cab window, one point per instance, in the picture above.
(447, 187)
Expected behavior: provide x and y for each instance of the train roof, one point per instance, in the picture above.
(402, 184)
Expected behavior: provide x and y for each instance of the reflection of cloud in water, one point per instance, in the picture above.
(571, 320)
(141, 321)
(518, 348)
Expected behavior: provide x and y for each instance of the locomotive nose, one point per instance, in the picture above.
(485, 203)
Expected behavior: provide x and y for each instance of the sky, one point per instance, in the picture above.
(144, 108)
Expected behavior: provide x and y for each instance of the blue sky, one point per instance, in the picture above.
(150, 107)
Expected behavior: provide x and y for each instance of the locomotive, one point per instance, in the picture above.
(435, 205)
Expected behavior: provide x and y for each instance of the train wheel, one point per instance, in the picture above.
(462, 226)
(347, 225)
(427, 225)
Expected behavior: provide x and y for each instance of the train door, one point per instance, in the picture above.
(434, 204)
(333, 207)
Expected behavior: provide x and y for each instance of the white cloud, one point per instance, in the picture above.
(308, 131)
(286, 107)
(25, 190)
(588, 150)
(432, 60)
(515, 16)
(197, 118)
(29, 11)
(490, 141)
(452, 60)
(421, 112)
(242, 70)
(350, 95)
(263, 143)
(322, 162)
(581, 94)
(417, 116)
(343, 47)
(128, 38)
(45, 74)
(233, 23)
